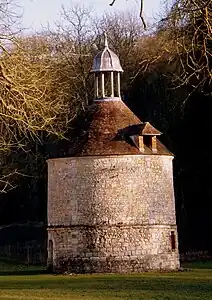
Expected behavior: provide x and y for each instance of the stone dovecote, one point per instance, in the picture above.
(111, 209)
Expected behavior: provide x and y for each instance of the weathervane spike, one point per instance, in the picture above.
(106, 42)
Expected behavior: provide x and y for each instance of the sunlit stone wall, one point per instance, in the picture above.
(112, 214)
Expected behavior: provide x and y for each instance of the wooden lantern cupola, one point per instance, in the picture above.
(106, 69)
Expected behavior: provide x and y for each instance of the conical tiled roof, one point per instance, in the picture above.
(109, 118)
(111, 127)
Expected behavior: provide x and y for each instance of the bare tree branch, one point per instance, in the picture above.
(111, 4)
(141, 15)
(141, 12)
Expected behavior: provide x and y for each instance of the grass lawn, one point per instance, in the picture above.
(18, 282)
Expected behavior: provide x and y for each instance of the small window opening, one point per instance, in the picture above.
(147, 140)
(173, 240)
(151, 142)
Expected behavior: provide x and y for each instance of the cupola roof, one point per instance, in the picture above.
(106, 61)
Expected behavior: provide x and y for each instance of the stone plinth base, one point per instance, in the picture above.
(113, 249)
(111, 265)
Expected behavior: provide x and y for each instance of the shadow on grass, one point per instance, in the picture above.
(12, 267)
(204, 264)
(194, 284)
(23, 272)
(111, 284)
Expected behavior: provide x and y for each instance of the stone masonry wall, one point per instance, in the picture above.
(112, 214)
(116, 249)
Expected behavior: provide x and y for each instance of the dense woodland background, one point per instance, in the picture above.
(46, 92)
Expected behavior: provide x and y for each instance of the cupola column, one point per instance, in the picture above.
(103, 85)
(112, 84)
(96, 85)
(118, 85)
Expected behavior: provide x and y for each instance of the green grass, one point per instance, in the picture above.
(18, 282)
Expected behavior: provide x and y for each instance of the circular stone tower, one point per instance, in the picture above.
(112, 208)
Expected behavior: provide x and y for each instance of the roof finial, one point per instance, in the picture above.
(106, 42)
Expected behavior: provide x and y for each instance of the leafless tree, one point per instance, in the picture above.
(74, 39)
(141, 11)
(189, 24)
(10, 17)
(34, 95)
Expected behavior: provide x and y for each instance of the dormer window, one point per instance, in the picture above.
(145, 135)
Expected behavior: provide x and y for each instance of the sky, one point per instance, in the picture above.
(36, 13)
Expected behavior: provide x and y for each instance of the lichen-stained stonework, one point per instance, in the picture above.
(112, 214)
